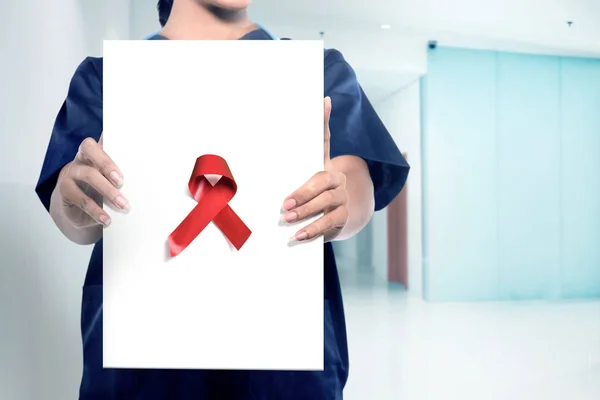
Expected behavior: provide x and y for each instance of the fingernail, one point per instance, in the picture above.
(116, 178)
(104, 220)
(122, 203)
(301, 235)
(289, 204)
(290, 217)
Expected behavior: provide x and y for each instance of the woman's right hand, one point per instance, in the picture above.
(83, 184)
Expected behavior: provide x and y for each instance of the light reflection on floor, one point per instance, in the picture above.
(406, 349)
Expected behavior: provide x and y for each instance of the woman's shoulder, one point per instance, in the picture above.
(90, 68)
(333, 56)
(86, 82)
(93, 65)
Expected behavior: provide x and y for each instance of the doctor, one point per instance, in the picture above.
(363, 172)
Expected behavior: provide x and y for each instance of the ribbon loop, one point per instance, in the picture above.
(212, 206)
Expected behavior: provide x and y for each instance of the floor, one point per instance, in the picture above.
(405, 349)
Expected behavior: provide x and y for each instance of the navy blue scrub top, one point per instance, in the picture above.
(355, 130)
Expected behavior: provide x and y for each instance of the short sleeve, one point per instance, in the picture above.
(79, 117)
(357, 130)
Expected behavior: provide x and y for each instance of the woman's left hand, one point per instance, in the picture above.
(324, 193)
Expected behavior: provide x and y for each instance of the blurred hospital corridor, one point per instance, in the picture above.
(405, 348)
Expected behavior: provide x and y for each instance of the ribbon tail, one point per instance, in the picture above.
(232, 227)
(190, 227)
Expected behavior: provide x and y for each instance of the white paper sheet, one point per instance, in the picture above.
(259, 105)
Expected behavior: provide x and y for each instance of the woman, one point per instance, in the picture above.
(364, 171)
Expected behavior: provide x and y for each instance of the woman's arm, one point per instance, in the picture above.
(79, 117)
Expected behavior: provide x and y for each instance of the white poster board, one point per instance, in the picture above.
(259, 105)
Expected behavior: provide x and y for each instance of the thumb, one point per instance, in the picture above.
(326, 131)
(327, 103)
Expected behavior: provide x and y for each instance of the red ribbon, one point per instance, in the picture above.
(212, 206)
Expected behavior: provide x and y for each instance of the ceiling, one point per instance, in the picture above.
(388, 59)
(490, 23)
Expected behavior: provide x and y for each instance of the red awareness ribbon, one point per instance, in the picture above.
(212, 206)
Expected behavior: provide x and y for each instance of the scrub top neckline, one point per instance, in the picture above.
(257, 33)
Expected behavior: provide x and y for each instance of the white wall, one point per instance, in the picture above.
(41, 273)
(401, 115)
(144, 18)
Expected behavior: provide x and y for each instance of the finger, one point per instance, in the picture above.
(326, 200)
(74, 196)
(91, 176)
(327, 132)
(333, 220)
(319, 183)
(91, 153)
